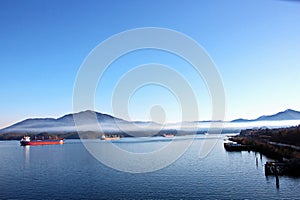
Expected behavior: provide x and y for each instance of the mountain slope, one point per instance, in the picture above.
(285, 115)
(89, 121)
(288, 114)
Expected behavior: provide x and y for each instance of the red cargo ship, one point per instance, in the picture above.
(26, 141)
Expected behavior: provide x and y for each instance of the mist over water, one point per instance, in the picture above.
(149, 126)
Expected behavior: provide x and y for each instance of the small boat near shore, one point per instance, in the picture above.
(233, 146)
(27, 141)
(110, 137)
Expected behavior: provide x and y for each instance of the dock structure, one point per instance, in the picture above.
(282, 168)
(275, 168)
(233, 146)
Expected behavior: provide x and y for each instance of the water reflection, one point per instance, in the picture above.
(277, 182)
(27, 155)
(259, 161)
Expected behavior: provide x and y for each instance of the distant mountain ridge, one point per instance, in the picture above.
(88, 121)
(288, 114)
(66, 119)
(63, 124)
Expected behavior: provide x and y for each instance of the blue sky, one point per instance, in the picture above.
(255, 45)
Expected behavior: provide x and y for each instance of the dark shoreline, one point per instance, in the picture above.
(274, 143)
(282, 145)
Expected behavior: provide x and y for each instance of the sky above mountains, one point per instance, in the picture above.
(254, 44)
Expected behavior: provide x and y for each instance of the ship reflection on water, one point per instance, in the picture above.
(27, 155)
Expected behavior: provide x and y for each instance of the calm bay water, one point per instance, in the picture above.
(69, 171)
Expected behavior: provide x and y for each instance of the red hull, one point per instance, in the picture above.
(42, 142)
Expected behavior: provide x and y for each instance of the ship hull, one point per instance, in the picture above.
(41, 142)
(168, 135)
(112, 138)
